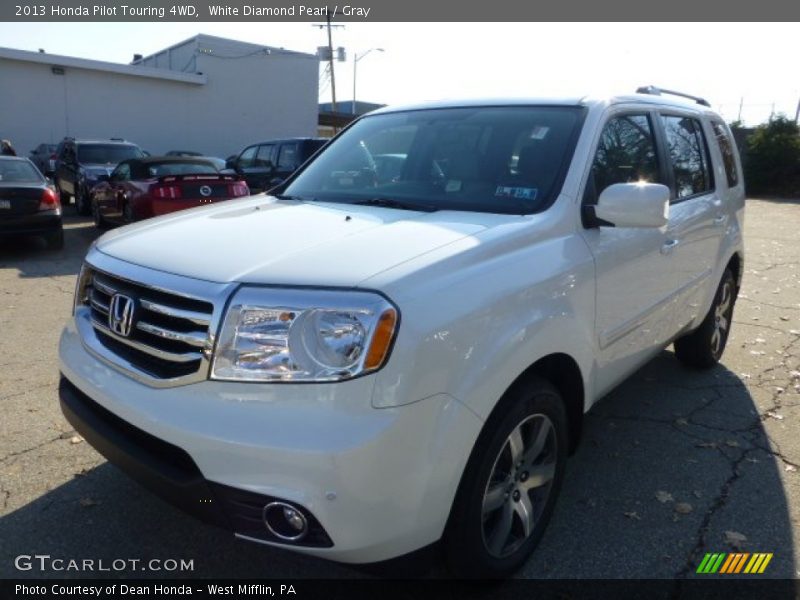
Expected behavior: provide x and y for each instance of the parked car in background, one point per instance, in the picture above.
(44, 157)
(142, 188)
(81, 163)
(267, 164)
(28, 205)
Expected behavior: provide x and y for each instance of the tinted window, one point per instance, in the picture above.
(122, 172)
(179, 168)
(626, 153)
(110, 154)
(19, 171)
(288, 158)
(264, 158)
(487, 159)
(686, 151)
(726, 149)
(248, 157)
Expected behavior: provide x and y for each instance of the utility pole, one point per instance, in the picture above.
(331, 57)
(741, 103)
(797, 113)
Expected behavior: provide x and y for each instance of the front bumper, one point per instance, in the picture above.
(379, 482)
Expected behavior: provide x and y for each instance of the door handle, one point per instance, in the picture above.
(669, 246)
(720, 219)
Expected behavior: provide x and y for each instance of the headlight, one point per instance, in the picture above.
(273, 334)
(81, 285)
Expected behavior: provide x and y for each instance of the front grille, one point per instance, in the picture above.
(169, 333)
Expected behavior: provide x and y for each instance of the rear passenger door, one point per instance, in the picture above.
(697, 217)
(288, 161)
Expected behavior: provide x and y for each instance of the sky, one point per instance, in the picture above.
(752, 64)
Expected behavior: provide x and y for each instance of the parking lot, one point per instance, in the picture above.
(673, 464)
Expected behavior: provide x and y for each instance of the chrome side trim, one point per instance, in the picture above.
(607, 338)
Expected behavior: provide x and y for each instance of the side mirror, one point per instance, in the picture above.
(230, 163)
(633, 205)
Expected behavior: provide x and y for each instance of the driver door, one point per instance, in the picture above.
(633, 316)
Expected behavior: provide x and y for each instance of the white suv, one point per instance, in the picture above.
(398, 346)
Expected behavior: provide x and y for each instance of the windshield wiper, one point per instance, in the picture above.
(288, 197)
(398, 204)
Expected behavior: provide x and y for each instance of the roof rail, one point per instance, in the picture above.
(654, 91)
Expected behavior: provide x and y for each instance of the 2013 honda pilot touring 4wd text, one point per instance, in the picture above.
(397, 347)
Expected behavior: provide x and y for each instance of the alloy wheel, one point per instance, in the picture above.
(721, 319)
(519, 485)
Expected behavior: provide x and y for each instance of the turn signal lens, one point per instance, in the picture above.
(382, 339)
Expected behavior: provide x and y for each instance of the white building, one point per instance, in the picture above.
(207, 94)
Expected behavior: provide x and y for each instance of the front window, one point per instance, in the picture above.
(110, 154)
(486, 159)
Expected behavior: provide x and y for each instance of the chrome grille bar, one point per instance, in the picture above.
(184, 357)
(193, 339)
(178, 313)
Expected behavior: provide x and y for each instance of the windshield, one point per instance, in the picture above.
(19, 171)
(486, 159)
(110, 154)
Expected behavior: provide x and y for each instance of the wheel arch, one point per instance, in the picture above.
(736, 264)
(562, 371)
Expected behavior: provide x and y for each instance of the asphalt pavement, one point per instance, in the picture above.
(673, 464)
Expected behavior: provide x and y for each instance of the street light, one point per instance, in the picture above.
(357, 57)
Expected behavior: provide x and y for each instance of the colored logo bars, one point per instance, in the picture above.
(736, 562)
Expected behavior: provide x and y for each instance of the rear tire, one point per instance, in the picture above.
(99, 221)
(510, 485)
(127, 213)
(82, 203)
(703, 348)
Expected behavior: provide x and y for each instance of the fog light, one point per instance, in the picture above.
(285, 522)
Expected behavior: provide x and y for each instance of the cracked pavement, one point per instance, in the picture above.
(673, 464)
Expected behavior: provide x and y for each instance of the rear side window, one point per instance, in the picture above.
(288, 159)
(726, 149)
(686, 150)
(626, 154)
(264, 158)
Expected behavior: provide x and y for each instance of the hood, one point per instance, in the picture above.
(261, 240)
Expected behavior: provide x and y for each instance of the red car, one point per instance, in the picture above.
(141, 188)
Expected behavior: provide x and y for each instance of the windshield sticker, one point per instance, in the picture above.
(521, 193)
(539, 132)
(453, 185)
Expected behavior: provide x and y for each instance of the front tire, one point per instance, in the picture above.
(703, 348)
(510, 485)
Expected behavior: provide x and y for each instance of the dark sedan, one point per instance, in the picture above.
(142, 188)
(28, 206)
